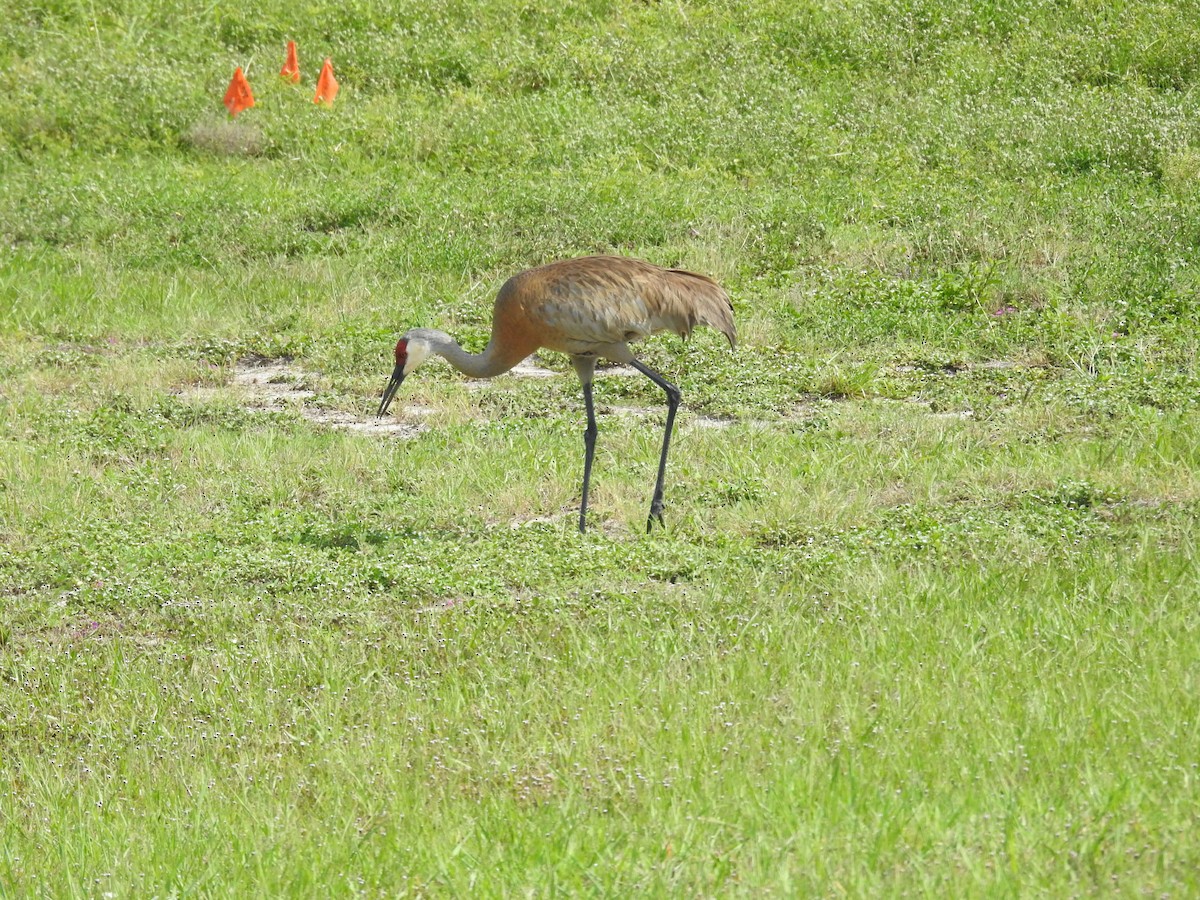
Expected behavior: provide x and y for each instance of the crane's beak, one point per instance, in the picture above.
(390, 391)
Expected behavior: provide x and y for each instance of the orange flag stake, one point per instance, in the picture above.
(327, 86)
(238, 96)
(291, 68)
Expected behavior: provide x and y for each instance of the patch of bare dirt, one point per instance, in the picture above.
(713, 422)
(609, 527)
(528, 368)
(531, 368)
(274, 384)
(278, 385)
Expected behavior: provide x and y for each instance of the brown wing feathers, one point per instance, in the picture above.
(704, 301)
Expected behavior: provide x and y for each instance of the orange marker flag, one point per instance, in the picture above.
(327, 86)
(291, 68)
(238, 96)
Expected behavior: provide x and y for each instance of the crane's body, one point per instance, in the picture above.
(587, 308)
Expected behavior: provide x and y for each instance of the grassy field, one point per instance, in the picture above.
(924, 618)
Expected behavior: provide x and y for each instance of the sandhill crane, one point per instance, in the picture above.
(586, 308)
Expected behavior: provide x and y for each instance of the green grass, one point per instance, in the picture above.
(924, 616)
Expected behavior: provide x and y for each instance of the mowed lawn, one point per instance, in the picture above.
(923, 619)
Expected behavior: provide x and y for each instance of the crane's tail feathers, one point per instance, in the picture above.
(708, 303)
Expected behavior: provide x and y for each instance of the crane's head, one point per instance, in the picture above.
(411, 350)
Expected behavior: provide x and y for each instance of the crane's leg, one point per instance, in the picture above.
(673, 396)
(585, 366)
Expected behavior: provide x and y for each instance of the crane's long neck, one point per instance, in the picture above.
(491, 362)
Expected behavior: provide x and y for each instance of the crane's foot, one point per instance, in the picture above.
(655, 516)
